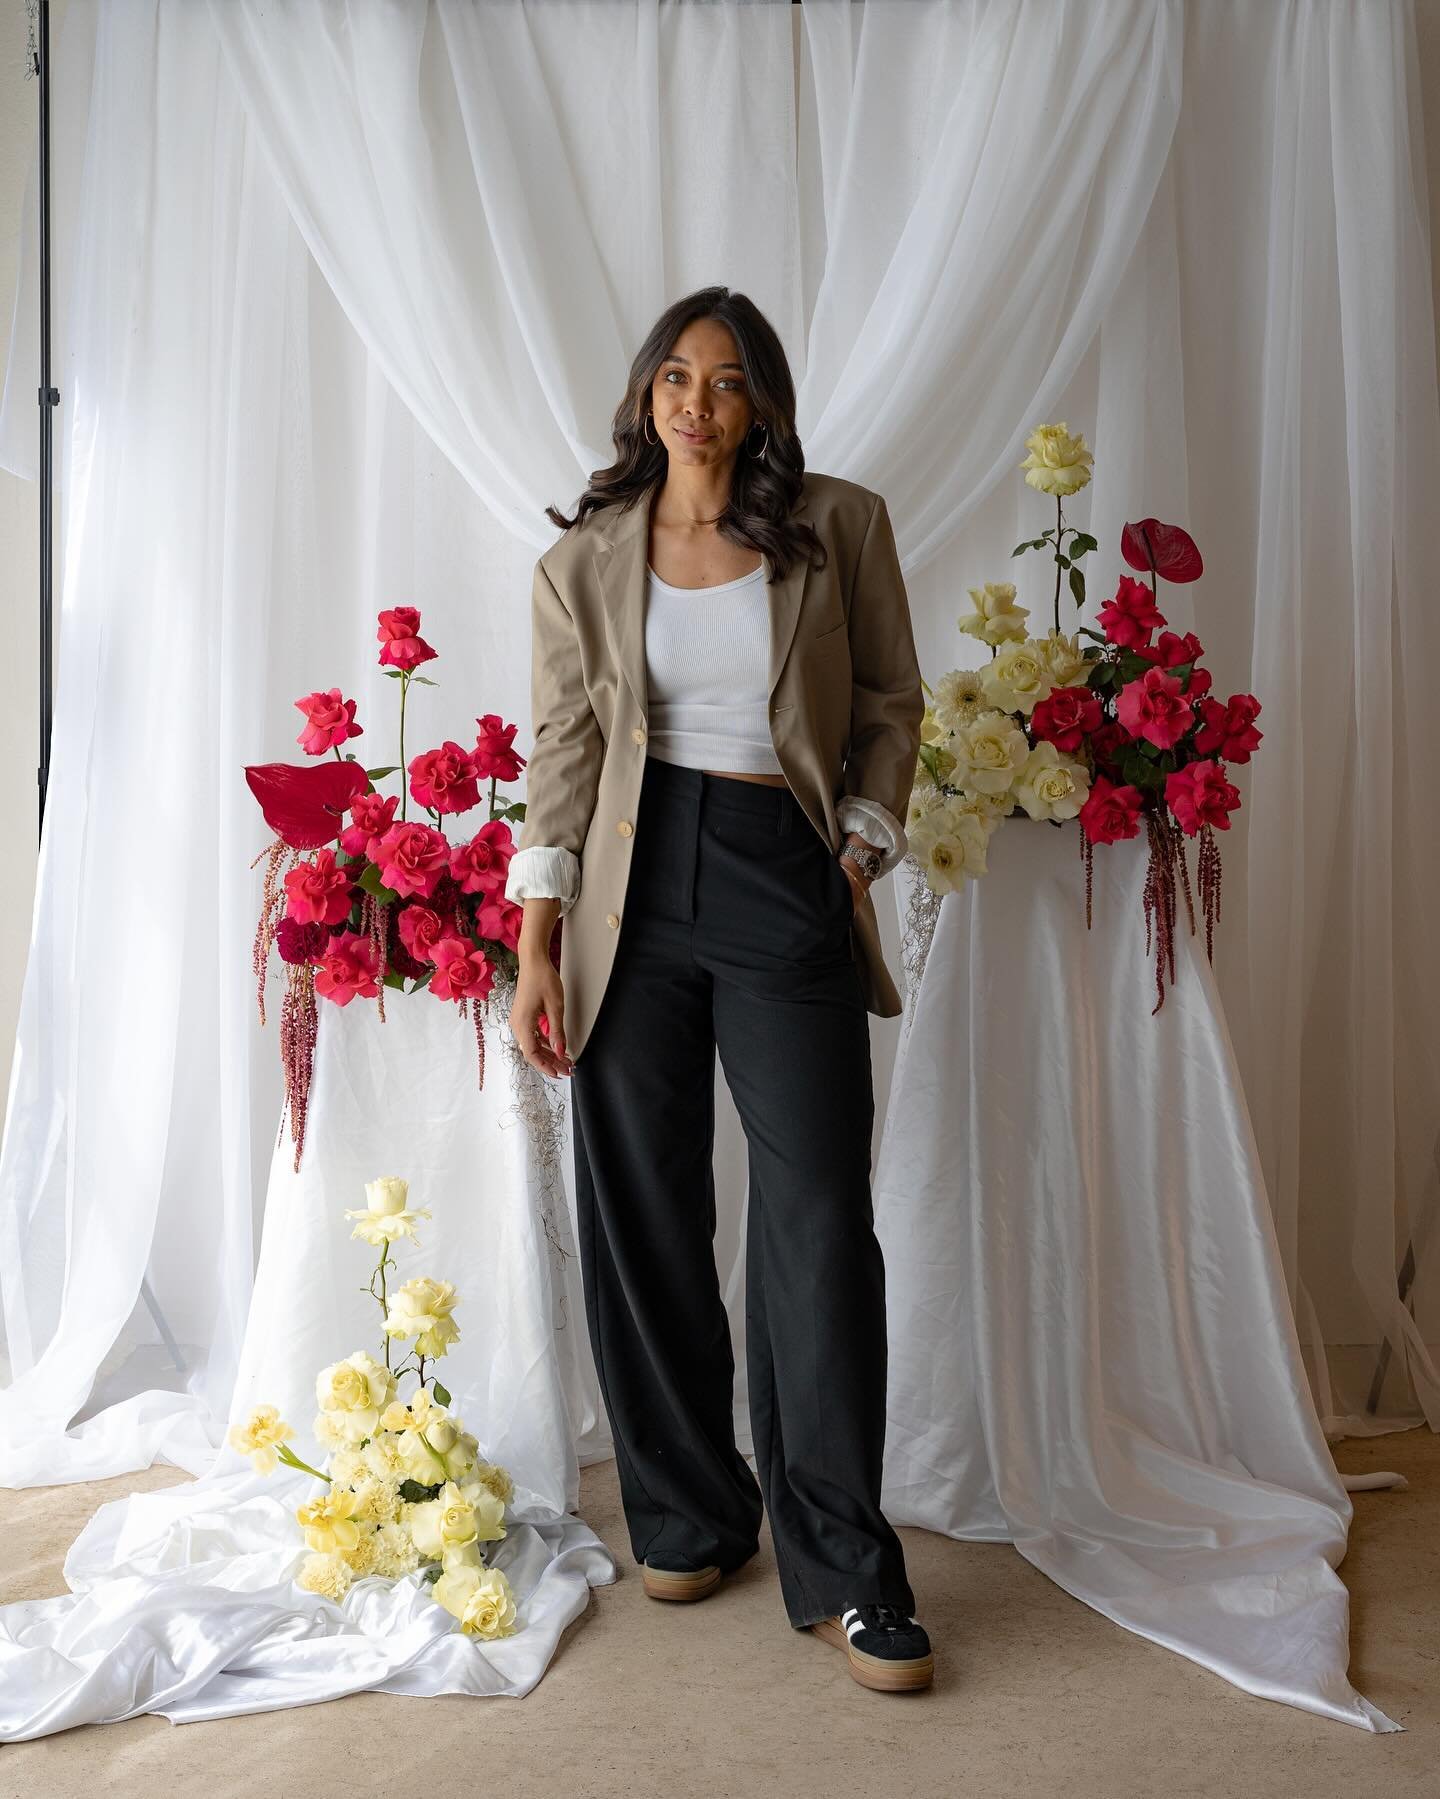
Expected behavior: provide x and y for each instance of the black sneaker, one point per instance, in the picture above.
(886, 1648)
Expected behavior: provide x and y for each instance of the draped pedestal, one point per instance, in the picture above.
(1092, 1348)
(183, 1600)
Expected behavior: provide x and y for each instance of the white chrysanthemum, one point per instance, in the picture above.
(260, 1436)
(354, 1393)
(423, 1309)
(949, 845)
(329, 1575)
(989, 752)
(1018, 678)
(995, 618)
(1051, 785)
(959, 697)
(925, 796)
(480, 1598)
(386, 1215)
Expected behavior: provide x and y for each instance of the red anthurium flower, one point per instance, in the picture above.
(461, 969)
(481, 865)
(349, 969)
(402, 646)
(1155, 708)
(373, 814)
(1147, 544)
(411, 858)
(499, 919)
(1131, 616)
(303, 806)
(318, 891)
(1066, 718)
(444, 779)
(1199, 794)
(1111, 812)
(1228, 731)
(329, 721)
(494, 754)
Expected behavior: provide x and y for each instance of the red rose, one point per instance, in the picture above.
(1066, 717)
(444, 779)
(373, 816)
(1228, 731)
(1131, 616)
(318, 892)
(1111, 812)
(481, 865)
(421, 928)
(399, 634)
(461, 968)
(348, 969)
(1199, 794)
(494, 754)
(411, 858)
(499, 919)
(1155, 707)
(1171, 651)
(329, 721)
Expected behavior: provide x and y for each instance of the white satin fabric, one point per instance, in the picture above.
(182, 1600)
(1092, 1350)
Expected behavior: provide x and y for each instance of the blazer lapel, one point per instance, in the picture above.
(620, 568)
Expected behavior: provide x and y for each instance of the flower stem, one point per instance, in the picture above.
(287, 1455)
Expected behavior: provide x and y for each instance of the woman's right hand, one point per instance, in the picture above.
(538, 988)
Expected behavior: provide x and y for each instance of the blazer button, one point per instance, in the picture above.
(624, 827)
(612, 918)
(638, 734)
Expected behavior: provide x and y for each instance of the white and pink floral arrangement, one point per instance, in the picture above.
(406, 1491)
(357, 899)
(1121, 733)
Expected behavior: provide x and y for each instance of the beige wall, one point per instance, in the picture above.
(20, 518)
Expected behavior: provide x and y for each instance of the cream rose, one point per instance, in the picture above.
(488, 1507)
(448, 1521)
(1058, 463)
(949, 845)
(260, 1436)
(1017, 679)
(1064, 659)
(386, 1214)
(989, 752)
(354, 1393)
(480, 1598)
(497, 1479)
(1051, 785)
(995, 618)
(423, 1309)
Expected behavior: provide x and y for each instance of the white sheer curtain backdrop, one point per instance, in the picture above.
(240, 495)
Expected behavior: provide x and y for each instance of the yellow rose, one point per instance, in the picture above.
(328, 1575)
(422, 1309)
(422, 1411)
(329, 1521)
(1051, 785)
(1017, 678)
(959, 697)
(385, 1216)
(354, 1393)
(446, 1522)
(1058, 463)
(989, 752)
(949, 844)
(1064, 659)
(995, 618)
(487, 1506)
(259, 1437)
(481, 1598)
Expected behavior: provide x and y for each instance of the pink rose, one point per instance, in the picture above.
(329, 721)
(373, 815)
(1111, 812)
(1199, 794)
(444, 779)
(494, 755)
(421, 928)
(1066, 718)
(411, 858)
(1228, 731)
(460, 969)
(348, 969)
(399, 634)
(481, 865)
(499, 919)
(318, 892)
(1155, 707)
(1171, 651)
(1131, 616)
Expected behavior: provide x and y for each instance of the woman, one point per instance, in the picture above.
(726, 731)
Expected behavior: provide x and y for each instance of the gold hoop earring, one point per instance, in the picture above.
(648, 419)
(757, 455)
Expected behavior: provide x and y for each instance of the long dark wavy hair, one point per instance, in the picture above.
(764, 487)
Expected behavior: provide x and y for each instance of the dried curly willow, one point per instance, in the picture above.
(917, 929)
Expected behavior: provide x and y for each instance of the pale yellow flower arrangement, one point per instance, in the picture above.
(406, 1490)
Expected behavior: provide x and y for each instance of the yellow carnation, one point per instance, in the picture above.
(328, 1575)
(1058, 463)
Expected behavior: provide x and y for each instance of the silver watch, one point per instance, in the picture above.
(867, 860)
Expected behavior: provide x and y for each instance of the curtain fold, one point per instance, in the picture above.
(349, 294)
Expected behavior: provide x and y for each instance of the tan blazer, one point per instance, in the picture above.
(845, 709)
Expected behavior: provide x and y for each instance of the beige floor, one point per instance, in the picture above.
(1034, 1694)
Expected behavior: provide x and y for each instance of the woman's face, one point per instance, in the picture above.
(702, 409)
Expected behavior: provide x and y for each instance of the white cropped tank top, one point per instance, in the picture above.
(707, 665)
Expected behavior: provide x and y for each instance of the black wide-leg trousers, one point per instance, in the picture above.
(736, 937)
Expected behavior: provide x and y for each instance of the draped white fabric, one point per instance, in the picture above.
(346, 294)
(1092, 1349)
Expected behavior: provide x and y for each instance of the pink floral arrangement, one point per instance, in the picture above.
(372, 898)
(1123, 733)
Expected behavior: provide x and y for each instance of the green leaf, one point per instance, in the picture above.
(375, 774)
(415, 1494)
(1099, 636)
(394, 674)
(424, 680)
(373, 885)
(431, 1574)
(1082, 543)
(395, 980)
(1077, 585)
(1064, 561)
(441, 1394)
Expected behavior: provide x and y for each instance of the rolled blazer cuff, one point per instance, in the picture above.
(544, 871)
(877, 825)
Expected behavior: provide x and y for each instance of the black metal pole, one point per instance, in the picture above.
(49, 398)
